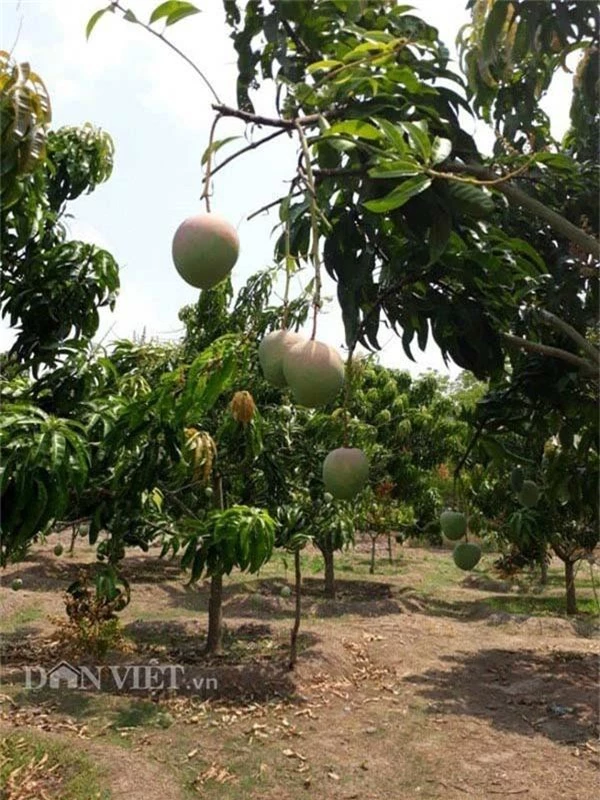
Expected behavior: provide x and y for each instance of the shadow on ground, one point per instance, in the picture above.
(253, 663)
(524, 692)
(262, 598)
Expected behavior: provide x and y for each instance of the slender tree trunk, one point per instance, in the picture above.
(215, 601)
(74, 534)
(215, 615)
(390, 548)
(373, 545)
(544, 569)
(570, 587)
(329, 574)
(297, 615)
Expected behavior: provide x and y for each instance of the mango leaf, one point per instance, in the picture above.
(395, 169)
(417, 133)
(327, 64)
(94, 19)
(400, 195)
(392, 133)
(212, 148)
(492, 31)
(439, 235)
(440, 149)
(173, 11)
(354, 127)
(364, 49)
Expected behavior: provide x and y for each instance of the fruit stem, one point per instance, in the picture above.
(127, 13)
(314, 227)
(288, 262)
(207, 176)
(348, 395)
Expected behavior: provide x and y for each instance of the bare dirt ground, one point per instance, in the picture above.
(414, 683)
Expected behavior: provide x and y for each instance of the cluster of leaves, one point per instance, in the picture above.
(53, 287)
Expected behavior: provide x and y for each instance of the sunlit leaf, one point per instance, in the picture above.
(400, 195)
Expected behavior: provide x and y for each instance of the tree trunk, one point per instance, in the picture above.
(74, 534)
(215, 615)
(544, 569)
(296, 628)
(329, 574)
(215, 601)
(373, 545)
(390, 550)
(570, 587)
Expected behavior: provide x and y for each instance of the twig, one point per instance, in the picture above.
(300, 45)
(314, 229)
(177, 501)
(276, 122)
(179, 52)
(251, 146)
(490, 181)
(273, 203)
(206, 192)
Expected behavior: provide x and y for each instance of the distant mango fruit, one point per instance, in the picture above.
(529, 494)
(345, 472)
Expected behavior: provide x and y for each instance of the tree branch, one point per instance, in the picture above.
(554, 352)
(276, 122)
(569, 331)
(179, 52)
(521, 198)
(273, 203)
(251, 146)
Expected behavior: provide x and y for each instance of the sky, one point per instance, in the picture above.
(159, 114)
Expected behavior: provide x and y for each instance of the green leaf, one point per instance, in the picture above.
(440, 150)
(392, 133)
(395, 169)
(492, 31)
(417, 133)
(326, 64)
(439, 235)
(354, 127)
(173, 11)
(130, 16)
(400, 195)
(96, 16)
(217, 146)
(364, 49)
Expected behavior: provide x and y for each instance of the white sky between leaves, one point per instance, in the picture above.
(159, 113)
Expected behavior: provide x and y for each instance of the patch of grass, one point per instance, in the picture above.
(540, 606)
(48, 768)
(137, 714)
(22, 617)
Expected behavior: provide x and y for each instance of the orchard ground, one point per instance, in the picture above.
(419, 681)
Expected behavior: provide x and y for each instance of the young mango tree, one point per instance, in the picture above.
(51, 291)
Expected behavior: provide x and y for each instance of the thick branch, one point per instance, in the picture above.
(574, 335)
(554, 352)
(521, 198)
